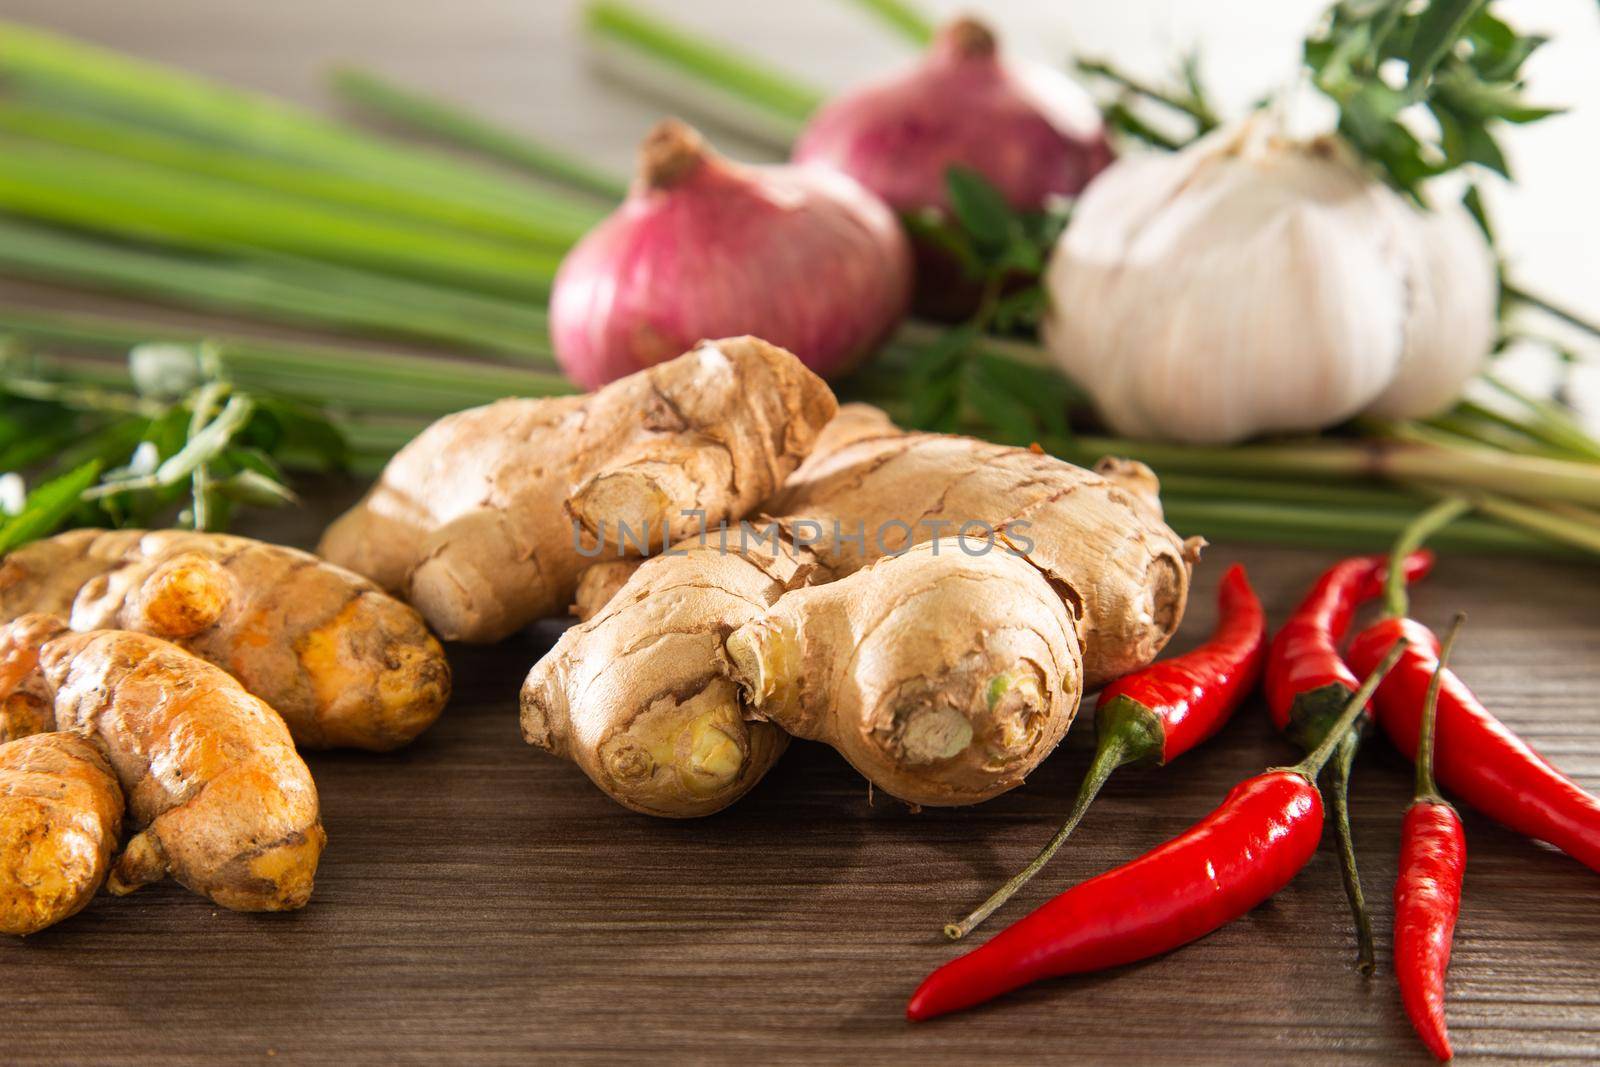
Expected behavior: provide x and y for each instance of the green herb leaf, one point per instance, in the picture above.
(1441, 26)
(980, 209)
(47, 507)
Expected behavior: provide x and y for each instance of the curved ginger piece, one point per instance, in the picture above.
(944, 675)
(60, 816)
(222, 801)
(477, 521)
(343, 663)
(642, 697)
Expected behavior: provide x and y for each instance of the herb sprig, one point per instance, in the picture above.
(1384, 61)
(956, 379)
(183, 440)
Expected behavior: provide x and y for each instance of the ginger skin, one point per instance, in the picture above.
(942, 677)
(943, 667)
(60, 817)
(220, 799)
(477, 521)
(344, 664)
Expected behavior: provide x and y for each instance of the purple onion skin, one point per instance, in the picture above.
(703, 248)
(962, 105)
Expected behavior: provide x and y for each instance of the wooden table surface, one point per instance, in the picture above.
(482, 902)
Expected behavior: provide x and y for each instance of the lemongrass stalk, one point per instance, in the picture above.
(295, 178)
(901, 17)
(1550, 422)
(665, 60)
(1339, 495)
(1343, 528)
(39, 64)
(346, 378)
(456, 125)
(1413, 455)
(1475, 425)
(138, 201)
(304, 293)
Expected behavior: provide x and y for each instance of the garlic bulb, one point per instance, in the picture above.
(1250, 285)
(1453, 316)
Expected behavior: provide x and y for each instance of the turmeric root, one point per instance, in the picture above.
(220, 799)
(60, 817)
(343, 663)
(483, 520)
(933, 607)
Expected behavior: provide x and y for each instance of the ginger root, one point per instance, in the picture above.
(60, 818)
(343, 663)
(483, 521)
(932, 606)
(221, 801)
(942, 676)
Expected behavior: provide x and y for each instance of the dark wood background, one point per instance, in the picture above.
(480, 901)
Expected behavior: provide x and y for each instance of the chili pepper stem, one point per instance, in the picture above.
(1428, 789)
(1114, 751)
(1339, 787)
(1395, 599)
(1312, 765)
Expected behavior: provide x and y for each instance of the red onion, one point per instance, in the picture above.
(702, 247)
(1031, 131)
(1028, 129)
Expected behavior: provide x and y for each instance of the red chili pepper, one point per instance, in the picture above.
(1246, 850)
(1161, 712)
(1476, 756)
(1168, 708)
(1478, 759)
(1427, 895)
(1307, 684)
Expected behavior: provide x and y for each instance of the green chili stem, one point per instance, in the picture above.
(1427, 788)
(1110, 755)
(1312, 765)
(1395, 600)
(1339, 781)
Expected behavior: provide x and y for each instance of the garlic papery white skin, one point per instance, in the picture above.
(1250, 285)
(1453, 325)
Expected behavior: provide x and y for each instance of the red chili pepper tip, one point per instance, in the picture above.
(1427, 899)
